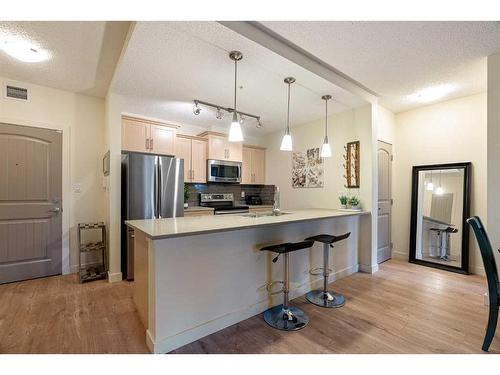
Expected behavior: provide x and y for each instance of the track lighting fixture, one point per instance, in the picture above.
(196, 108)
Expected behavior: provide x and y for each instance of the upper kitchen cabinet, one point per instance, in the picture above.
(142, 135)
(253, 169)
(194, 152)
(219, 148)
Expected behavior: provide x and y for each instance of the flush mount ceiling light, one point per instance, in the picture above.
(235, 133)
(23, 50)
(326, 151)
(286, 142)
(432, 93)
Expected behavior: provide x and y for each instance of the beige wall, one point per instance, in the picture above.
(81, 119)
(493, 182)
(343, 127)
(447, 132)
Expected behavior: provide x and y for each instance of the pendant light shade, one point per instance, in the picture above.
(326, 150)
(286, 142)
(235, 133)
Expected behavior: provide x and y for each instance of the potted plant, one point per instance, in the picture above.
(355, 203)
(186, 195)
(343, 200)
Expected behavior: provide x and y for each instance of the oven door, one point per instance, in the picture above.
(223, 171)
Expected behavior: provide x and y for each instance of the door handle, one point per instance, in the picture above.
(151, 143)
(147, 143)
(55, 210)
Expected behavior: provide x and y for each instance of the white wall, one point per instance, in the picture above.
(447, 132)
(386, 126)
(493, 175)
(113, 143)
(81, 119)
(344, 127)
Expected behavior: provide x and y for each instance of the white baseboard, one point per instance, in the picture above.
(477, 270)
(399, 255)
(368, 268)
(114, 277)
(170, 343)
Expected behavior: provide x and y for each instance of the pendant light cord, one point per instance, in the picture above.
(326, 118)
(288, 112)
(235, 83)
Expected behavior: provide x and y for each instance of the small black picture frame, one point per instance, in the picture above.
(466, 166)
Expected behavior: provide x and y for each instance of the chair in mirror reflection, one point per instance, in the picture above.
(440, 205)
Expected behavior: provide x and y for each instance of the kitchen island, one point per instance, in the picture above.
(197, 275)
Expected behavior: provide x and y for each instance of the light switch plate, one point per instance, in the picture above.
(77, 188)
(243, 194)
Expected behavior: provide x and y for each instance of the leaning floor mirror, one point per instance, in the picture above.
(439, 234)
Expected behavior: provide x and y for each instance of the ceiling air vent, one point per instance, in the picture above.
(13, 92)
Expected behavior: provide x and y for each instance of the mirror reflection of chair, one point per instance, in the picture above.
(491, 275)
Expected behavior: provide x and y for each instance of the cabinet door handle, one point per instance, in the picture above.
(151, 143)
(147, 143)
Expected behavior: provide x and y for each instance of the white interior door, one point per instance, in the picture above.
(384, 246)
(30, 202)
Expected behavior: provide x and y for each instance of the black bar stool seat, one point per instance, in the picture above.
(285, 317)
(324, 297)
(328, 238)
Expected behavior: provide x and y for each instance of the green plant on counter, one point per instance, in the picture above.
(186, 193)
(354, 201)
(343, 199)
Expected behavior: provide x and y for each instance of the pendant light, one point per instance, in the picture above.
(235, 134)
(440, 190)
(286, 142)
(430, 185)
(326, 151)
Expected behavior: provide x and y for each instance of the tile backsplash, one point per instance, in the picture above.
(266, 192)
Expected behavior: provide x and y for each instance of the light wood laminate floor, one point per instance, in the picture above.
(403, 308)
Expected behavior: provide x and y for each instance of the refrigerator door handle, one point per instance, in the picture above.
(159, 186)
(155, 189)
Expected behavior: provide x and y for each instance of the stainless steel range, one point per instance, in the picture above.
(222, 204)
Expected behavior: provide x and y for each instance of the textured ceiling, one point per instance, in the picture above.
(84, 54)
(168, 64)
(396, 59)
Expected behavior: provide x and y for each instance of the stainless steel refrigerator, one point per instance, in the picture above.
(152, 188)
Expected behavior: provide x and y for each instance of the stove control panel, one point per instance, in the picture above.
(227, 197)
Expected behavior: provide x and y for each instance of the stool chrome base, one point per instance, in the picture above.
(291, 319)
(325, 299)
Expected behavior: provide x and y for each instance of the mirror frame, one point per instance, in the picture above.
(466, 166)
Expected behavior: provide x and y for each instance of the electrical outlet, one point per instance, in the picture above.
(243, 194)
(77, 188)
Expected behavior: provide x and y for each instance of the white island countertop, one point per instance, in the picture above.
(188, 226)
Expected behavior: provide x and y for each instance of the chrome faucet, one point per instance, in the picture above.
(276, 204)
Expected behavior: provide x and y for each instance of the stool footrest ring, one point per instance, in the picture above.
(318, 271)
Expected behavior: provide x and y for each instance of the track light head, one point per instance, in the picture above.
(196, 108)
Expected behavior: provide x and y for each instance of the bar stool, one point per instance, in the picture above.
(284, 316)
(324, 298)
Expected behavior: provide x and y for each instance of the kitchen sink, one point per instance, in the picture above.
(264, 214)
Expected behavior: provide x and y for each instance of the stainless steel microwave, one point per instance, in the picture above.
(223, 171)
